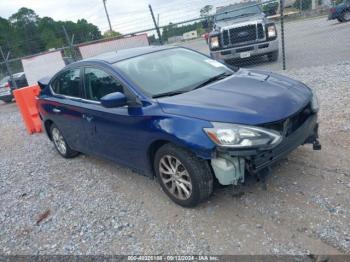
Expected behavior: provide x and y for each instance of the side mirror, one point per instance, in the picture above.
(115, 99)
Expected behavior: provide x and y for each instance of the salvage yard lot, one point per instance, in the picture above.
(97, 207)
(50, 205)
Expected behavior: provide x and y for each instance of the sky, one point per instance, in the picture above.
(126, 15)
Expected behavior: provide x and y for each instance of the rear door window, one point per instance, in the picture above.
(68, 83)
(98, 83)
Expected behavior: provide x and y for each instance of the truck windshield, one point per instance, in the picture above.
(171, 71)
(229, 14)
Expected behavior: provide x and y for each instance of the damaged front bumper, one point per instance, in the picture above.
(230, 165)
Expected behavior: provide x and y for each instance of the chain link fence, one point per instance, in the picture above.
(283, 34)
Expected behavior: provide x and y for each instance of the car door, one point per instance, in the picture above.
(64, 107)
(113, 132)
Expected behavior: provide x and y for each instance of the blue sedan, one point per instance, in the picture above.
(176, 114)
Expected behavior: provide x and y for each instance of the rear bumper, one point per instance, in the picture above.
(259, 159)
(256, 49)
(5, 94)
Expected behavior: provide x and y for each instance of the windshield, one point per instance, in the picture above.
(4, 80)
(252, 10)
(170, 71)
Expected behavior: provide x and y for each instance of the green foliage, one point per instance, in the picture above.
(271, 8)
(110, 33)
(25, 33)
(173, 30)
(305, 4)
(205, 11)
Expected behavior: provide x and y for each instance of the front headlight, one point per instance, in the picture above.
(241, 136)
(315, 106)
(271, 31)
(214, 42)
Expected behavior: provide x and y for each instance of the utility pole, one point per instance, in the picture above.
(282, 34)
(156, 25)
(70, 43)
(109, 21)
(8, 67)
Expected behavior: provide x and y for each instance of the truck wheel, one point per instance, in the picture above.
(273, 56)
(345, 16)
(60, 143)
(7, 100)
(186, 179)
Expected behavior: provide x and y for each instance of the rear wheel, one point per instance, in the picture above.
(273, 56)
(186, 179)
(7, 100)
(60, 143)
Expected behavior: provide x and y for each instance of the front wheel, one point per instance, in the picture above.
(186, 179)
(60, 143)
(7, 100)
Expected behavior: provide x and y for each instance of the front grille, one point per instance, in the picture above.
(238, 35)
(261, 31)
(289, 125)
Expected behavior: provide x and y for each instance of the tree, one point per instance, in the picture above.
(174, 30)
(206, 10)
(109, 34)
(25, 33)
(25, 25)
(302, 4)
(51, 33)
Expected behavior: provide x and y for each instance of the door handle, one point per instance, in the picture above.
(56, 110)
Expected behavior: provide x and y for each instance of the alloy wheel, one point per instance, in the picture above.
(59, 141)
(175, 177)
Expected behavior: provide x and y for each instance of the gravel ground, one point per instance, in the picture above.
(50, 205)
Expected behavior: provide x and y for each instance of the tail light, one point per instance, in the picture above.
(332, 10)
(7, 85)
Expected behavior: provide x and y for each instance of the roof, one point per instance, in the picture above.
(118, 55)
(235, 6)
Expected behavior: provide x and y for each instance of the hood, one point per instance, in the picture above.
(248, 97)
(225, 24)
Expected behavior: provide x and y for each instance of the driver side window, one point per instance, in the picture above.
(98, 84)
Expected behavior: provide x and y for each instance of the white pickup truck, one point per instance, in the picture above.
(242, 31)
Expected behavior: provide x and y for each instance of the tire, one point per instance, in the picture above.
(339, 20)
(273, 57)
(7, 100)
(191, 173)
(345, 16)
(60, 143)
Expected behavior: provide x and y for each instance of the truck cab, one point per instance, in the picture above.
(242, 31)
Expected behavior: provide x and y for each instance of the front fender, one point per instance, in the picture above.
(187, 133)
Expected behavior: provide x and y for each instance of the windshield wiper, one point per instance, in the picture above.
(204, 83)
(171, 93)
(212, 79)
